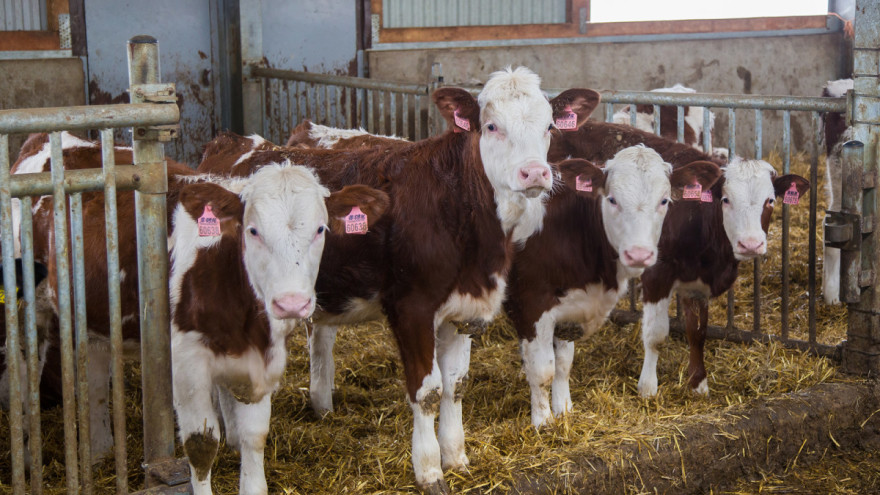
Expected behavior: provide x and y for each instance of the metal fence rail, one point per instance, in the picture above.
(758, 104)
(380, 107)
(147, 177)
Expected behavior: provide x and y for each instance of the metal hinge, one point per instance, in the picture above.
(163, 93)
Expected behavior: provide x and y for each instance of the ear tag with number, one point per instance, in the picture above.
(209, 226)
(585, 185)
(568, 121)
(706, 196)
(356, 221)
(460, 122)
(692, 192)
(792, 197)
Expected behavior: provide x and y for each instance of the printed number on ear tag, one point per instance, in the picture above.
(460, 121)
(209, 226)
(356, 221)
(583, 184)
(692, 192)
(568, 121)
(706, 196)
(792, 197)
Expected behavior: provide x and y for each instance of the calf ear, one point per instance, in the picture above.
(225, 205)
(457, 102)
(300, 135)
(581, 101)
(582, 177)
(783, 184)
(373, 202)
(704, 173)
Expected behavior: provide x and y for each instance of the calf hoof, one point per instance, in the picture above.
(568, 331)
(438, 487)
(647, 389)
(471, 327)
(457, 463)
(702, 388)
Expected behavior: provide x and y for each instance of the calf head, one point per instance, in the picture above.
(280, 218)
(636, 187)
(514, 119)
(748, 196)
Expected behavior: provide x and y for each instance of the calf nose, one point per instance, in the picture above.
(535, 175)
(638, 257)
(291, 306)
(750, 246)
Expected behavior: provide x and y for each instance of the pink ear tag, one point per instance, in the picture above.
(568, 121)
(209, 226)
(460, 122)
(706, 196)
(692, 192)
(583, 184)
(356, 221)
(792, 197)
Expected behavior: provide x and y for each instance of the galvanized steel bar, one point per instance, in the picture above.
(417, 118)
(731, 133)
(759, 135)
(814, 202)
(81, 340)
(13, 346)
(707, 130)
(114, 303)
(632, 114)
(151, 216)
(329, 117)
(404, 116)
(756, 277)
(86, 117)
(679, 136)
(346, 81)
(798, 103)
(35, 443)
(382, 96)
(392, 108)
(786, 220)
(609, 112)
(371, 114)
(338, 114)
(127, 177)
(349, 108)
(62, 266)
(309, 105)
(657, 128)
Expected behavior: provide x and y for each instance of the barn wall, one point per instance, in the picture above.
(37, 83)
(784, 65)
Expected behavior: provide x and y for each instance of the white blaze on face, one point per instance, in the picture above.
(634, 204)
(747, 194)
(516, 118)
(284, 230)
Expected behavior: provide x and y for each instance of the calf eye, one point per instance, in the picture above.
(550, 127)
(491, 128)
(612, 200)
(320, 230)
(771, 201)
(664, 202)
(253, 231)
(725, 200)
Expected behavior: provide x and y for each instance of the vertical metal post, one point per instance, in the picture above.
(252, 92)
(152, 248)
(786, 220)
(756, 273)
(35, 442)
(862, 351)
(82, 341)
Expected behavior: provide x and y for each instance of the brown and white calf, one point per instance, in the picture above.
(244, 257)
(310, 135)
(836, 132)
(460, 202)
(701, 243)
(693, 121)
(598, 232)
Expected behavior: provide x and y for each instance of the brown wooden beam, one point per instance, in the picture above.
(29, 40)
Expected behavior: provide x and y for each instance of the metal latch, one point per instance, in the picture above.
(162, 93)
(843, 230)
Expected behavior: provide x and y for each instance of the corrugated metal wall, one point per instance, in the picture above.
(23, 15)
(437, 13)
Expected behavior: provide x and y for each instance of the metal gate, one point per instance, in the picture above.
(147, 177)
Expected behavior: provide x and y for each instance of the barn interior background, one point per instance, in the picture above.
(221, 54)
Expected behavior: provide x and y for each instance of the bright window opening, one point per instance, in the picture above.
(656, 10)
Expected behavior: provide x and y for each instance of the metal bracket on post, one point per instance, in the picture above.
(155, 93)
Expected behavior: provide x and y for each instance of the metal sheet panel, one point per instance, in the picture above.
(441, 13)
(23, 15)
(185, 31)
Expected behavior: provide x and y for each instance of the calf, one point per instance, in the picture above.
(836, 132)
(701, 243)
(599, 232)
(439, 259)
(693, 121)
(311, 135)
(244, 256)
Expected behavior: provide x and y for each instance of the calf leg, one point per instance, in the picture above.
(197, 421)
(655, 329)
(563, 351)
(247, 426)
(539, 364)
(453, 357)
(98, 370)
(696, 312)
(831, 276)
(321, 368)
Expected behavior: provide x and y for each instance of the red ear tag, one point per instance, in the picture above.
(706, 196)
(460, 121)
(209, 226)
(583, 184)
(692, 192)
(356, 221)
(568, 121)
(791, 196)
